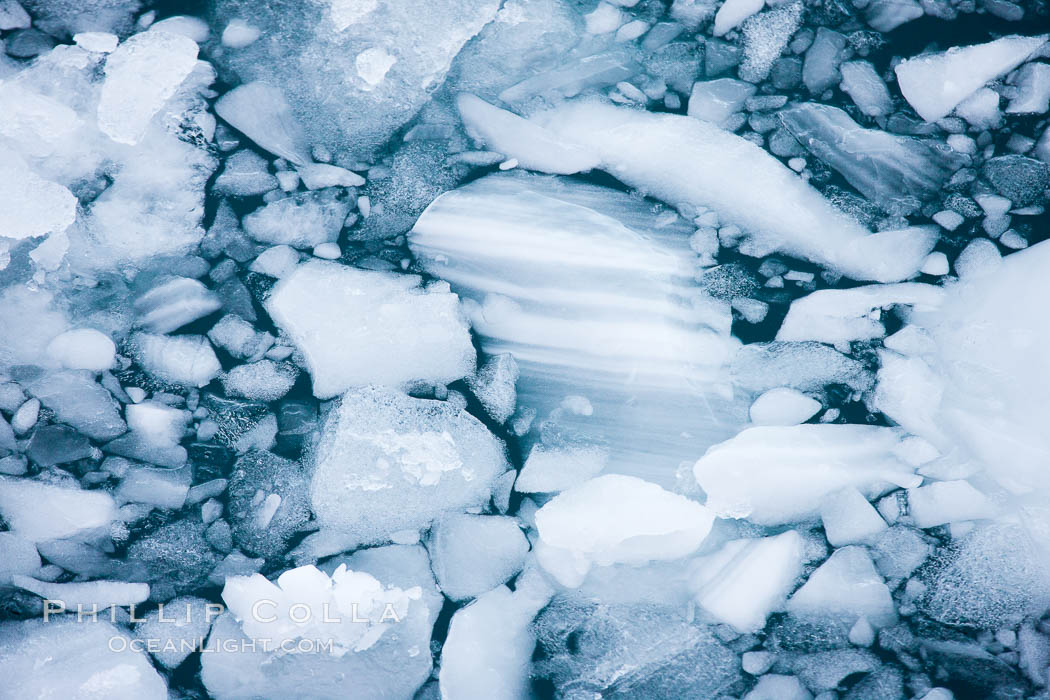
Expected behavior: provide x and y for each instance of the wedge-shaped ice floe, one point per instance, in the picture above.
(593, 292)
(357, 327)
(934, 84)
(578, 529)
(694, 164)
(773, 475)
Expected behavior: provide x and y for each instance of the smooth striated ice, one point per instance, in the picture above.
(935, 84)
(39, 512)
(387, 463)
(173, 303)
(579, 530)
(357, 327)
(141, 75)
(592, 292)
(864, 86)
(261, 112)
(746, 580)
(776, 210)
(773, 475)
(87, 660)
(847, 587)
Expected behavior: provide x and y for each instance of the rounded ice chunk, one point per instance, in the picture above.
(83, 348)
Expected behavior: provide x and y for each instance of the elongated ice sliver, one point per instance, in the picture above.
(686, 161)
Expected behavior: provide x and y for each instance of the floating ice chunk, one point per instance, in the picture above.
(239, 34)
(264, 380)
(246, 174)
(846, 586)
(261, 112)
(239, 338)
(158, 423)
(716, 101)
(550, 469)
(141, 76)
(849, 519)
(1033, 86)
(775, 475)
(805, 366)
(163, 488)
(947, 502)
(934, 84)
(774, 686)
(896, 172)
(472, 554)
(41, 512)
(532, 145)
(783, 406)
(99, 42)
(62, 657)
(387, 463)
(318, 175)
(276, 262)
(375, 646)
(797, 221)
(17, 556)
(173, 303)
(77, 399)
(766, 35)
(490, 643)
(187, 360)
(302, 220)
(645, 346)
(820, 70)
(1020, 179)
(268, 502)
(83, 348)
(184, 25)
(578, 530)
(13, 16)
(732, 14)
(30, 205)
(104, 594)
(746, 580)
(887, 15)
(839, 316)
(358, 327)
(176, 629)
(865, 88)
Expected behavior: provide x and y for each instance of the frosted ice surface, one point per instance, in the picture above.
(176, 629)
(578, 530)
(302, 220)
(944, 502)
(766, 35)
(264, 380)
(934, 84)
(357, 327)
(66, 658)
(141, 75)
(593, 295)
(732, 13)
(387, 463)
(773, 475)
(187, 360)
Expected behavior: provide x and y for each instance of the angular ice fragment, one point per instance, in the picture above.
(79, 660)
(934, 84)
(840, 316)
(85, 595)
(716, 101)
(494, 385)
(246, 174)
(578, 530)
(302, 220)
(1033, 86)
(77, 399)
(896, 172)
(775, 686)
(264, 380)
(792, 217)
(947, 502)
(865, 88)
(175, 629)
(472, 554)
(13, 15)
(30, 205)
(783, 406)
(776, 475)
(41, 512)
(258, 478)
(141, 76)
(318, 175)
(820, 70)
(261, 112)
(489, 648)
(849, 518)
(188, 360)
(239, 338)
(846, 586)
(732, 14)
(388, 463)
(533, 146)
(83, 348)
(746, 580)
(357, 327)
(551, 469)
(887, 15)
(173, 303)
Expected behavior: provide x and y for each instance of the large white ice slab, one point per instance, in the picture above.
(593, 292)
